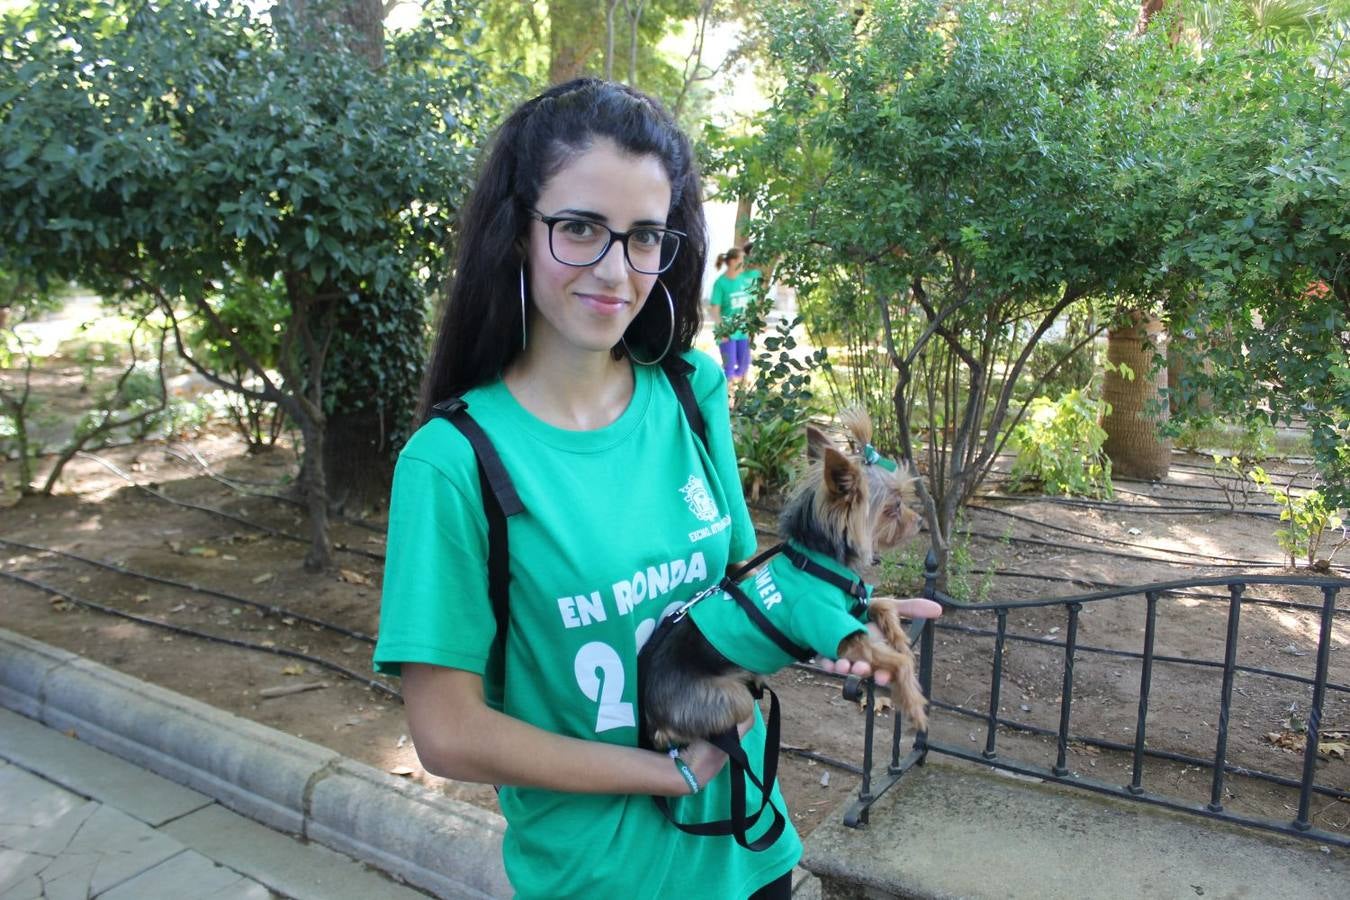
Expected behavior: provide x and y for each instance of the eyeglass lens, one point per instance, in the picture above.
(578, 242)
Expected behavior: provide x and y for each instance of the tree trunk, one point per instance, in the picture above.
(357, 460)
(371, 371)
(1182, 393)
(576, 32)
(1133, 442)
(363, 19)
(312, 481)
(609, 38)
(743, 212)
(635, 17)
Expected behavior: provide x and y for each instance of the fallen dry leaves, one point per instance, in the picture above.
(1330, 743)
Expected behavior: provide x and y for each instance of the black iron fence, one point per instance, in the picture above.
(987, 624)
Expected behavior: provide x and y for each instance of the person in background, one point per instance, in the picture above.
(732, 293)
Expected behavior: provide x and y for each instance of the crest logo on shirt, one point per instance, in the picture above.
(700, 501)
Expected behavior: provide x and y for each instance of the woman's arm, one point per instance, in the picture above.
(719, 290)
(457, 735)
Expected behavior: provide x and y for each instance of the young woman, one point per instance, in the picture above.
(731, 294)
(580, 261)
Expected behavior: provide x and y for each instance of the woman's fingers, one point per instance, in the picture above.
(918, 608)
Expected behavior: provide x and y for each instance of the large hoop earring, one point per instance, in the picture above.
(524, 338)
(670, 301)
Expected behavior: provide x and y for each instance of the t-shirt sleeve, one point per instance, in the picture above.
(823, 630)
(710, 387)
(435, 607)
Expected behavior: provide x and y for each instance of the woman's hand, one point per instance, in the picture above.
(705, 759)
(913, 608)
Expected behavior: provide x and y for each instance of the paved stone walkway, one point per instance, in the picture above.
(78, 823)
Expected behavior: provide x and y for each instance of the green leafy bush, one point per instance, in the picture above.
(1248, 440)
(1308, 516)
(769, 421)
(766, 452)
(1059, 447)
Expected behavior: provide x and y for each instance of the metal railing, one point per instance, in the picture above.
(1070, 650)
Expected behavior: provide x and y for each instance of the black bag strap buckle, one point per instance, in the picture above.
(448, 408)
(490, 467)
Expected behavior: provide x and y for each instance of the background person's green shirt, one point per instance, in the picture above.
(621, 524)
(732, 296)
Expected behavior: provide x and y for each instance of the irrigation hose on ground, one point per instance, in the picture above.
(197, 589)
(190, 632)
(1228, 561)
(266, 529)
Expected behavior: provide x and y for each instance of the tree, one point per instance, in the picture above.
(1266, 248)
(164, 155)
(373, 365)
(974, 172)
(1133, 387)
(1236, 43)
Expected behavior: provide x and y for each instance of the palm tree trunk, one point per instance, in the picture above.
(1136, 405)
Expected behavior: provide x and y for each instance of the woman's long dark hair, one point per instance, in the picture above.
(479, 332)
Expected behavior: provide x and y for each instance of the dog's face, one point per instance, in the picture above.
(864, 507)
(893, 519)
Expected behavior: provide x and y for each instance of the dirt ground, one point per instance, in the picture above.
(103, 516)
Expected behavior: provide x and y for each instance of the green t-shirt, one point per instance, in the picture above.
(621, 524)
(807, 610)
(733, 295)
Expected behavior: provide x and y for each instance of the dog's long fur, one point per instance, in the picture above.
(840, 507)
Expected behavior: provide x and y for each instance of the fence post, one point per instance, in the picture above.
(1226, 695)
(930, 577)
(1315, 713)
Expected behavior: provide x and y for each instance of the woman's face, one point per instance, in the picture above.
(589, 308)
(734, 266)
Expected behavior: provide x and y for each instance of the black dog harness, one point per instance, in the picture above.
(740, 821)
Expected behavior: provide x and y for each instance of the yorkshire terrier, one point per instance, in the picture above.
(697, 677)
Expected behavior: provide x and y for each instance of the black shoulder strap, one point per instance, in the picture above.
(678, 370)
(500, 501)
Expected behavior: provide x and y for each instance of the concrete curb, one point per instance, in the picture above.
(444, 846)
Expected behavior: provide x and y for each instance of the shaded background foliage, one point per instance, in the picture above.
(163, 154)
(965, 195)
(950, 185)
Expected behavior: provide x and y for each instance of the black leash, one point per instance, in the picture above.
(739, 824)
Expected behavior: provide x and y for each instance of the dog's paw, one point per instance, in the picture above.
(897, 660)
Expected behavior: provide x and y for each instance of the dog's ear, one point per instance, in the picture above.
(817, 442)
(841, 476)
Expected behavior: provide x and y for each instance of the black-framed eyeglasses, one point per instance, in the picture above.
(579, 242)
